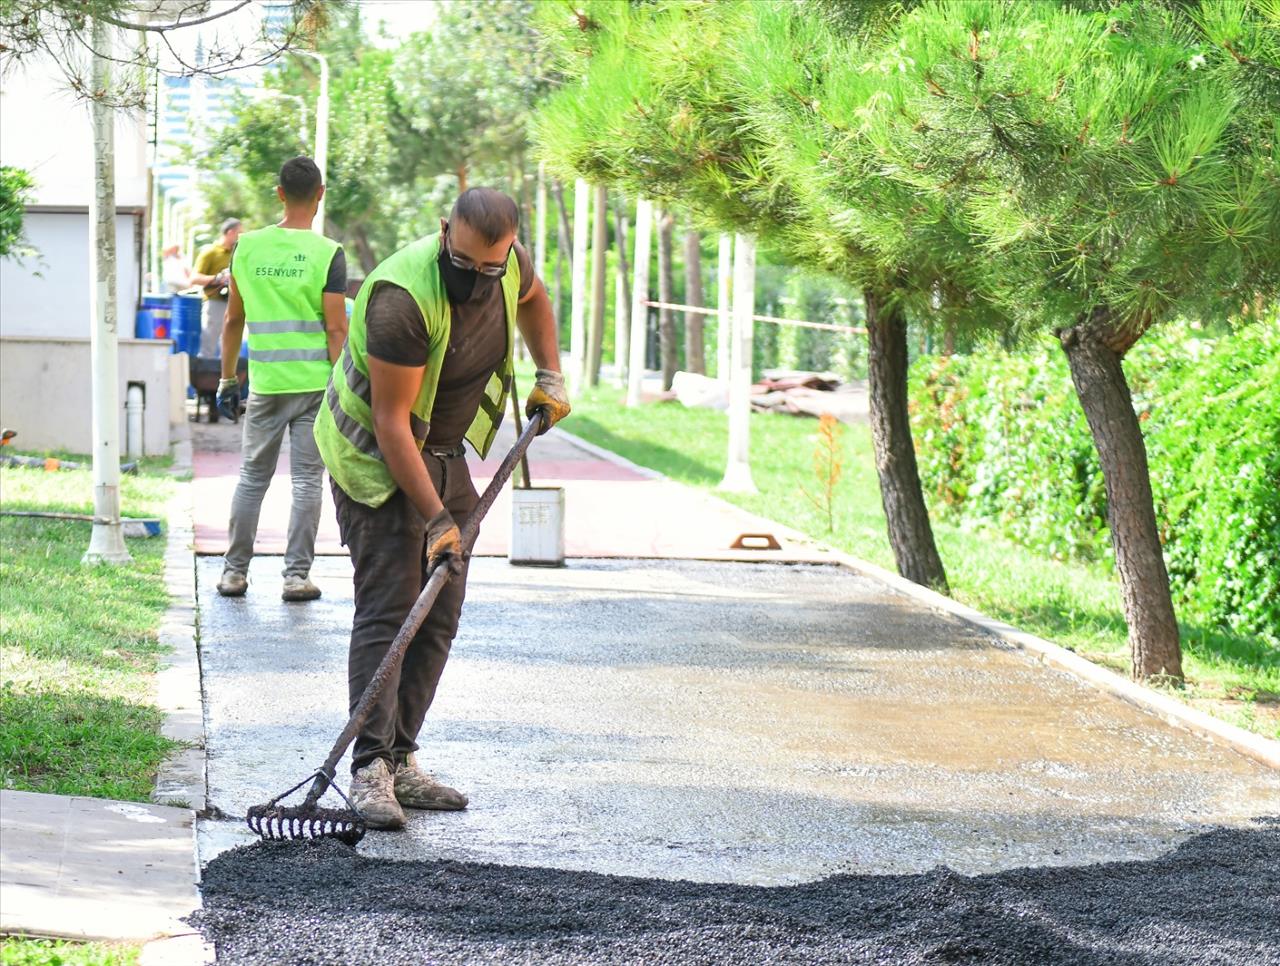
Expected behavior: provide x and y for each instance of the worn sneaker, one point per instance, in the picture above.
(299, 587)
(233, 583)
(415, 788)
(373, 795)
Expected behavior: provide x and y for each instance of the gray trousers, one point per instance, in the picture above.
(212, 314)
(388, 553)
(266, 420)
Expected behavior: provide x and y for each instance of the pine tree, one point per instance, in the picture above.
(665, 102)
(1115, 169)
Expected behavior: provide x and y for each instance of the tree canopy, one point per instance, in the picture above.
(1087, 168)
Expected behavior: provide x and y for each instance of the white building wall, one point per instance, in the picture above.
(46, 392)
(46, 130)
(48, 294)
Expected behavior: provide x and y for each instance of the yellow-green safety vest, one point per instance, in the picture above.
(280, 274)
(344, 424)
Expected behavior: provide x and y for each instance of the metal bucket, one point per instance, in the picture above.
(537, 526)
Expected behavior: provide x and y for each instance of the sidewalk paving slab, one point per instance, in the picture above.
(93, 869)
(613, 508)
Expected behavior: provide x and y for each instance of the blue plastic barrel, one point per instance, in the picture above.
(144, 326)
(160, 307)
(185, 324)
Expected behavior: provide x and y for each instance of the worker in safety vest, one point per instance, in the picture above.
(428, 364)
(287, 288)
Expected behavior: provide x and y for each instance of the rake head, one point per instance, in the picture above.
(282, 823)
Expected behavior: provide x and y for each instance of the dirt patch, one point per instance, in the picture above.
(1213, 900)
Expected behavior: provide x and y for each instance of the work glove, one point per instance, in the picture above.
(548, 395)
(444, 543)
(229, 399)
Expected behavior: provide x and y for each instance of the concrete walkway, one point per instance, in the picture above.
(720, 722)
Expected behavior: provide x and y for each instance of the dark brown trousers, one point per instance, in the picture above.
(388, 552)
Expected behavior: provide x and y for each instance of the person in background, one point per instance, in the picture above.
(174, 271)
(286, 290)
(211, 273)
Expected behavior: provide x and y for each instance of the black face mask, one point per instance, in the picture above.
(461, 284)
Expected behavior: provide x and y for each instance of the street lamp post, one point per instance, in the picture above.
(322, 132)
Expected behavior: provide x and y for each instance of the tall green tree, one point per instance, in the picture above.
(466, 89)
(363, 194)
(673, 101)
(1114, 169)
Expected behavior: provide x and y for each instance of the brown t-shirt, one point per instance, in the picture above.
(396, 333)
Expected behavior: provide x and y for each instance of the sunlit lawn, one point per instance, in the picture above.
(1075, 604)
(77, 643)
(18, 951)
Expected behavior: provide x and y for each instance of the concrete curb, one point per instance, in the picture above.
(1170, 710)
(178, 694)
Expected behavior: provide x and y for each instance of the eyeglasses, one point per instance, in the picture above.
(467, 265)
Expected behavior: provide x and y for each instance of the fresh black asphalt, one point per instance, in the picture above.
(1213, 900)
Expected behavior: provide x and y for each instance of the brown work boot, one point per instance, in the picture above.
(415, 788)
(373, 795)
(299, 587)
(233, 583)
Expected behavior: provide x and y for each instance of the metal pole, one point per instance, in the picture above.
(540, 225)
(322, 133)
(639, 295)
(153, 233)
(599, 244)
(621, 308)
(106, 544)
(724, 303)
(578, 294)
(737, 473)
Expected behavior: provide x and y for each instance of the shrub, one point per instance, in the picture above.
(1003, 443)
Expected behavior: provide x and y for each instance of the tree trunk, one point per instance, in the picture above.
(624, 261)
(462, 178)
(564, 230)
(1094, 348)
(622, 312)
(364, 251)
(666, 292)
(910, 533)
(106, 540)
(564, 247)
(599, 246)
(695, 359)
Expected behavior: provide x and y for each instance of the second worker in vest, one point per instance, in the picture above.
(287, 289)
(428, 364)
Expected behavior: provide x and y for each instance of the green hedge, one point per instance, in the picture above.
(1003, 443)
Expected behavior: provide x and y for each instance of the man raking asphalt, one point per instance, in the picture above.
(428, 365)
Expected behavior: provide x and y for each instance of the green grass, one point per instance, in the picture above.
(77, 643)
(18, 951)
(1075, 604)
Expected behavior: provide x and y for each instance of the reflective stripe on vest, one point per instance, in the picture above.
(359, 437)
(344, 425)
(280, 274)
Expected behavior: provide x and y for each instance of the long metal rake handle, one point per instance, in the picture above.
(418, 613)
